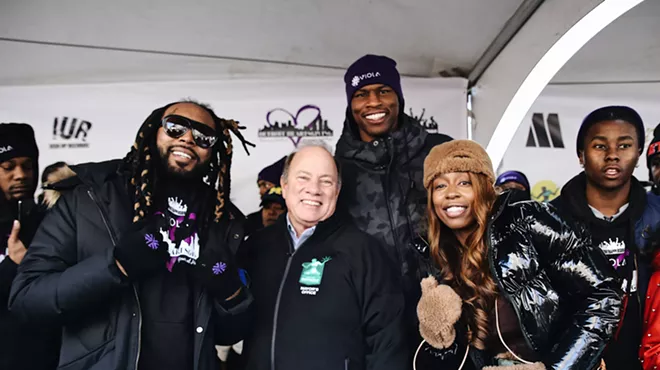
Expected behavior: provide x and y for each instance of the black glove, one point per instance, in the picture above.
(218, 273)
(141, 251)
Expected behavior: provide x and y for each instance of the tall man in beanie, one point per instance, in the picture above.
(382, 151)
(22, 346)
(653, 161)
(609, 200)
(135, 260)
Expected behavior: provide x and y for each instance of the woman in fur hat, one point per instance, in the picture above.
(516, 287)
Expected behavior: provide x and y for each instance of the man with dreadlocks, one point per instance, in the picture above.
(136, 259)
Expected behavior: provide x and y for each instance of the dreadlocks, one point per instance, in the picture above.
(140, 162)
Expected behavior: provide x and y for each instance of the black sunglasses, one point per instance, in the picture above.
(176, 126)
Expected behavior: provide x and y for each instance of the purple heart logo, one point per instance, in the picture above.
(308, 117)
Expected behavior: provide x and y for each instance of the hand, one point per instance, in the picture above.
(438, 310)
(141, 251)
(15, 248)
(217, 272)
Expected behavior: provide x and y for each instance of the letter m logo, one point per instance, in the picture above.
(545, 134)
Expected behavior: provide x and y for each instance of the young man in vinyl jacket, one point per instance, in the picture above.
(136, 258)
(618, 213)
(327, 297)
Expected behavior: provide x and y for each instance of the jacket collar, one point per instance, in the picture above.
(574, 198)
(406, 141)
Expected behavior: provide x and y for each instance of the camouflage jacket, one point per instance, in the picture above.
(382, 187)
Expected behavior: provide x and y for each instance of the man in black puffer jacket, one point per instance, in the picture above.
(382, 152)
(136, 259)
(19, 174)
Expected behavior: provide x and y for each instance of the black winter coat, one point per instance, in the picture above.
(69, 276)
(20, 341)
(558, 283)
(351, 319)
(382, 187)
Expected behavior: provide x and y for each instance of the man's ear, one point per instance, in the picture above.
(581, 158)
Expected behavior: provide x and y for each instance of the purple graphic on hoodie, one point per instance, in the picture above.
(152, 242)
(219, 268)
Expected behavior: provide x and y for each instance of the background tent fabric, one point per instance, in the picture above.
(83, 123)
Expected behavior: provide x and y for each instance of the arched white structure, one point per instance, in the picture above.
(559, 53)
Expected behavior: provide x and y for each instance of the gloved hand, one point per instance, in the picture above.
(438, 310)
(217, 271)
(141, 251)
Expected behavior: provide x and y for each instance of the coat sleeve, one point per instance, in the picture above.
(7, 274)
(381, 298)
(649, 352)
(584, 280)
(51, 284)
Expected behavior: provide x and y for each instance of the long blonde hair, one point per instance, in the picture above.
(466, 268)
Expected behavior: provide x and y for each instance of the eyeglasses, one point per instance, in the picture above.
(176, 126)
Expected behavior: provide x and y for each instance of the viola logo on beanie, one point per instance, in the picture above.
(6, 149)
(357, 79)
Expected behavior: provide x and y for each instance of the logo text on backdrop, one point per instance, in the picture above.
(70, 133)
(307, 122)
(542, 135)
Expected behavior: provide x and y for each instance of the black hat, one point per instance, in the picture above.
(17, 140)
(373, 69)
(273, 195)
(612, 113)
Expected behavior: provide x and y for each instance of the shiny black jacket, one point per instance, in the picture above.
(69, 276)
(558, 283)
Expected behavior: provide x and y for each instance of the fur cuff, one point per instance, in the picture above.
(534, 366)
(438, 310)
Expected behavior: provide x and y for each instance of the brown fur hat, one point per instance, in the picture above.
(438, 310)
(457, 156)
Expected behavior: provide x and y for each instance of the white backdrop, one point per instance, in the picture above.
(571, 103)
(107, 116)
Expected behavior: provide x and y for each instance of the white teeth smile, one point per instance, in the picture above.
(375, 116)
(612, 171)
(181, 154)
(311, 203)
(455, 211)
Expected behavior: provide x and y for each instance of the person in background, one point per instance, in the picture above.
(517, 287)
(52, 174)
(325, 293)
(381, 151)
(516, 182)
(272, 207)
(22, 345)
(653, 161)
(618, 212)
(136, 259)
(268, 178)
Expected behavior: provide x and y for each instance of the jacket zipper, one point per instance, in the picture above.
(395, 234)
(137, 299)
(491, 264)
(292, 252)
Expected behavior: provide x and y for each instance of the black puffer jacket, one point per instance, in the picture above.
(382, 187)
(69, 276)
(557, 282)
